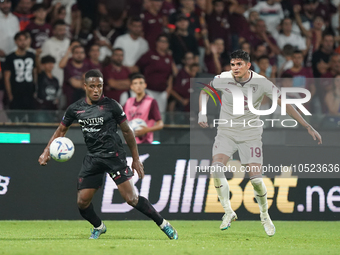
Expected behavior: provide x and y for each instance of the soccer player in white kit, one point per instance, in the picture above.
(237, 135)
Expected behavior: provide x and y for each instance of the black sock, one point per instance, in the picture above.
(90, 215)
(145, 207)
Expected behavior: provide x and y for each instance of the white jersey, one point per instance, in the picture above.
(241, 127)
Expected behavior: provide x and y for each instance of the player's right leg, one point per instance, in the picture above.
(86, 210)
(89, 180)
(222, 188)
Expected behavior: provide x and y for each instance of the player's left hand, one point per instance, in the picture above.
(138, 167)
(315, 134)
(141, 132)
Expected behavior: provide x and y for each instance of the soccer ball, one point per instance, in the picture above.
(137, 124)
(61, 149)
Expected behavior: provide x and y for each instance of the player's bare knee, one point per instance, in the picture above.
(83, 203)
(132, 200)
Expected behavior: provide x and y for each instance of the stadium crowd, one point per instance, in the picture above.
(46, 46)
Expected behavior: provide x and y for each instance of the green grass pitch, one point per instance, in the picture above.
(144, 237)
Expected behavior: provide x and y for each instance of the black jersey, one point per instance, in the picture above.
(21, 68)
(99, 125)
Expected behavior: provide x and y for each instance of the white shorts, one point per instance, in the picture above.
(250, 151)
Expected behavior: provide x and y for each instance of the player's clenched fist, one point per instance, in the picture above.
(44, 158)
(202, 120)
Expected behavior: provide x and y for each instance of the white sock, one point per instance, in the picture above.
(101, 226)
(260, 192)
(222, 187)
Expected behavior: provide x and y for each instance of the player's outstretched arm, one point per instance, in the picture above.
(45, 156)
(131, 142)
(296, 115)
(202, 119)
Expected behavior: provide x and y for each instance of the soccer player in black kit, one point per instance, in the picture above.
(98, 117)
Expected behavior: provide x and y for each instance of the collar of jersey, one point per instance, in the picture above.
(243, 83)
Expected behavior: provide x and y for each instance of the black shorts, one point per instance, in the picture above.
(92, 172)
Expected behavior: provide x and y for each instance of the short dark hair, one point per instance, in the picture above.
(137, 76)
(21, 33)
(47, 59)
(217, 1)
(37, 7)
(262, 57)
(162, 35)
(59, 22)
(76, 47)
(93, 73)
(134, 19)
(241, 54)
(297, 52)
(117, 49)
(288, 50)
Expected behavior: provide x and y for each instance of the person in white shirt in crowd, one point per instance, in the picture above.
(271, 12)
(287, 36)
(133, 44)
(9, 26)
(57, 46)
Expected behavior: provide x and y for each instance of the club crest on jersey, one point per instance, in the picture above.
(254, 88)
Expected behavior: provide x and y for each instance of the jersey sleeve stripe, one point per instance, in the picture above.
(62, 123)
(123, 120)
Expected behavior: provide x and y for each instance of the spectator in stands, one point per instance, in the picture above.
(23, 12)
(19, 74)
(181, 88)
(187, 9)
(302, 76)
(143, 107)
(271, 12)
(314, 8)
(321, 57)
(217, 19)
(57, 46)
(262, 37)
(286, 35)
(313, 35)
(73, 86)
(105, 36)
(116, 76)
(246, 47)
(86, 37)
(247, 26)
(182, 41)
(48, 85)
(158, 67)
(332, 98)
(326, 84)
(93, 60)
(285, 61)
(132, 43)
(39, 30)
(213, 56)
(9, 26)
(265, 68)
(259, 50)
(153, 22)
(68, 11)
